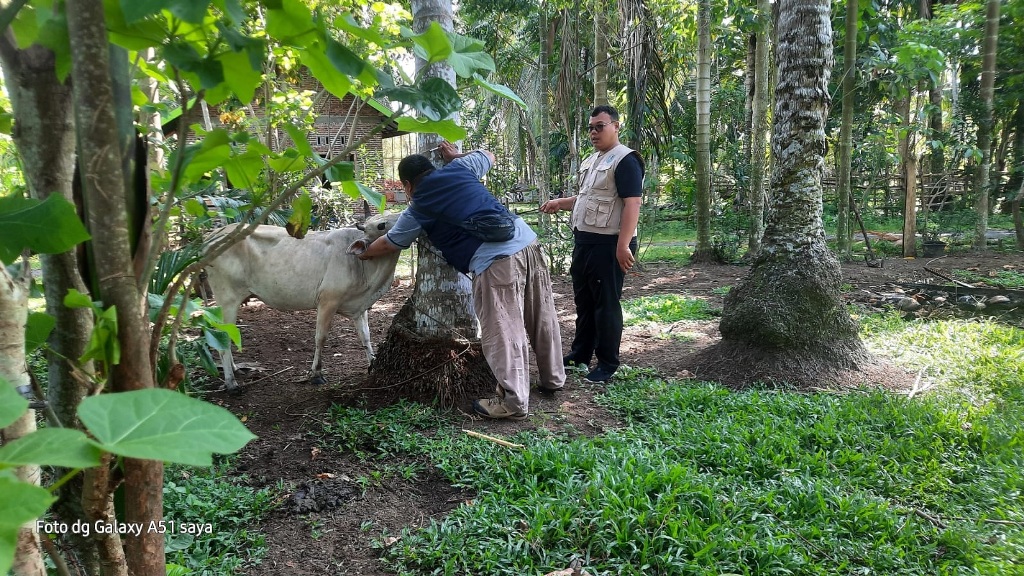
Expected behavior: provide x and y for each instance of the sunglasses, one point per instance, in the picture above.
(598, 127)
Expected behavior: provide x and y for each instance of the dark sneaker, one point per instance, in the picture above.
(599, 375)
(547, 392)
(496, 408)
(573, 363)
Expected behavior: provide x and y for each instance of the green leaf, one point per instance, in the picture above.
(103, 343)
(288, 161)
(135, 36)
(291, 22)
(375, 198)
(468, 56)
(37, 330)
(158, 424)
(76, 299)
(12, 404)
(347, 23)
(244, 169)
(65, 447)
(435, 98)
(20, 502)
(189, 10)
(135, 10)
(212, 153)
(232, 331)
(300, 140)
(302, 214)
(182, 55)
(433, 45)
(349, 63)
(240, 74)
(49, 227)
(315, 58)
(446, 129)
(500, 90)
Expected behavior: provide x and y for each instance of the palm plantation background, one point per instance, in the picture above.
(772, 132)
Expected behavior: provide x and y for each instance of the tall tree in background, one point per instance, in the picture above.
(705, 251)
(759, 165)
(843, 184)
(785, 321)
(986, 123)
(600, 54)
(438, 323)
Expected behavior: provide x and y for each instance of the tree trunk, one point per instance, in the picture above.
(704, 252)
(432, 350)
(105, 198)
(785, 321)
(909, 172)
(986, 123)
(45, 139)
(749, 79)
(14, 290)
(843, 179)
(600, 56)
(759, 166)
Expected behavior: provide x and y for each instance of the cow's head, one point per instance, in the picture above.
(374, 227)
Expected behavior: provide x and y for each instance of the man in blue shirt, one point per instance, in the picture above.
(511, 283)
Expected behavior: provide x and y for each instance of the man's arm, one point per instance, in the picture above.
(552, 206)
(627, 229)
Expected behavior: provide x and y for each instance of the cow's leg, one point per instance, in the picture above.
(362, 325)
(324, 316)
(229, 303)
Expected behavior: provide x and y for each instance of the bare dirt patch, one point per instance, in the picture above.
(328, 520)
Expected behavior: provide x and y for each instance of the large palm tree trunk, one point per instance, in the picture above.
(985, 125)
(432, 350)
(704, 251)
(785, 321)
(759, 166)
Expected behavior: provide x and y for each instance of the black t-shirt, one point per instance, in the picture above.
(629, 179)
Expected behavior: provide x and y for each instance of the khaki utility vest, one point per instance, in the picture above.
(598, 207)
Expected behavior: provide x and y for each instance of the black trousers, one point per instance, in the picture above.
(597, 287)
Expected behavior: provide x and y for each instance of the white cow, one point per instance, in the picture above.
(316, 272)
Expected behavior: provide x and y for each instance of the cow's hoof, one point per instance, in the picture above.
(317, 380)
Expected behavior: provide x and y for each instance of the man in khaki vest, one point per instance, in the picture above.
(605, 213)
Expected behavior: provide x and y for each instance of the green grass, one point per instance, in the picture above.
(702, 480)
(1013, 279)
(665, 309)
(227, 513)
(679, 255)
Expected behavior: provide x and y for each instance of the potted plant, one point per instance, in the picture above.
(932, 245)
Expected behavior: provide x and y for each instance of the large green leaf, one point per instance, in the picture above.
(12, 405)
(349, 63)
(433, 45)
(135, 36)
(20, 502)
(240, 74)
(37, 330)
(300, 140)
(135, 10)
(469, 56)
(302, 215)
(445, 128)
(188, 10)
(244, 169)
(348, 23)
(158, 424)
(500, 90)
(291, 21)
(435, 98)
(65, 447)
(49, 227)
(315, 58)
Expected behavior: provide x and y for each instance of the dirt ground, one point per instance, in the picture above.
(326, 523)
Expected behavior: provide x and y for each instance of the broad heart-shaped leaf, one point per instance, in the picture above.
(65, 447)
(446, 129)
(347, 23)
(244, 169)
(20, 502)
(135, 36)
(189, 10)
(301, 141)
(349, 63)
(433, 97)
(158, 424)
(12, 405)
(500, 90)
(135, 10)
(37, 330)
(315, 58)
(433, 45)
(468, 56)
(291, 22)
(50, 226)
(240, 74)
